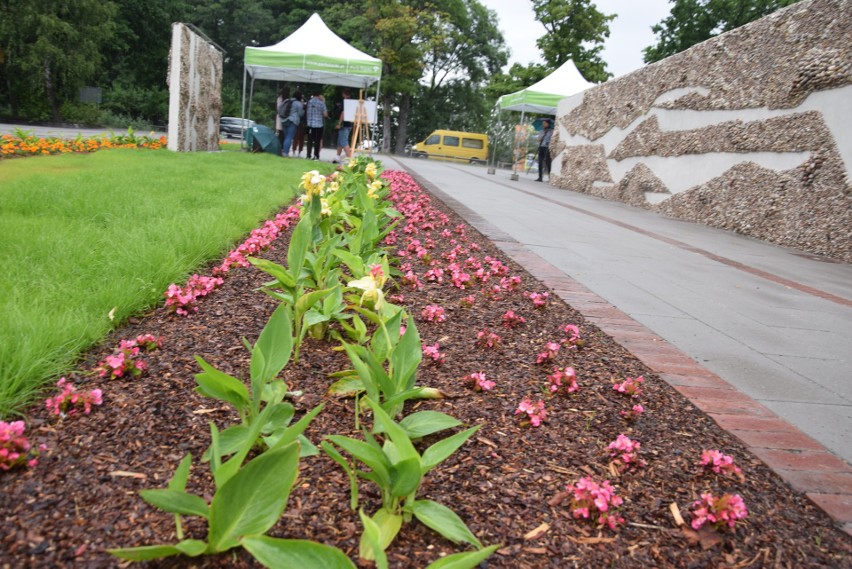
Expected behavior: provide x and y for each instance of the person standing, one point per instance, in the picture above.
(291, 122)
(544, 149)
(344, 128)
(316, 114)
(301, 132)
(283, 95)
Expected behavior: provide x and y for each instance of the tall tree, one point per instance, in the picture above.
(51, 49)
(576, 30)
(693, 21)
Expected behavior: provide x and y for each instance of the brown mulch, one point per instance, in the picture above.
(504, 482)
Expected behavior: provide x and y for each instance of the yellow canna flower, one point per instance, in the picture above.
(313, 182)
(370, 171)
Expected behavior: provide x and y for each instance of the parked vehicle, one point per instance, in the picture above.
(230, 126)
(453, 145)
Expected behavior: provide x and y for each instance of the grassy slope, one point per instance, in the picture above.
(83, 234)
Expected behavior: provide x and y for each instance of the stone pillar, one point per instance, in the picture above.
(195, 92)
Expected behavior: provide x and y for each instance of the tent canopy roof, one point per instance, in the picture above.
(313, 54)
(542, 97)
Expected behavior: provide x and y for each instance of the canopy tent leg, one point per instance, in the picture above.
(243, 111)
(516, 155)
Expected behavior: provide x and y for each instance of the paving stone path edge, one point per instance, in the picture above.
(801, 461)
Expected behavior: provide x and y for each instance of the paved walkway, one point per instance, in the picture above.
(755, 335)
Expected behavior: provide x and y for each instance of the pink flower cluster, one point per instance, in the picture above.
(572, 336)
(467, 301)
(15, 449)
(534, 411)
(625, 453)
(539, 300)
(722, 512)
(478, 381)
(69, 401)
(591, 500)
(512, 320)
(433, 353)
(126, 361)
(632, 413)
(720, 463)
(258, 240)
(183, 300)
(487, 339)
(549, 353)
(563, 379)
(630, 386)
(414, 241)
(433, 313)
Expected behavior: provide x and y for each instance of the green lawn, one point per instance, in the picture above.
(83, 234)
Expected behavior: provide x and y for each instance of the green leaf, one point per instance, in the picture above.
(350, 472)
(176, 502)
(274, 270)
(219, 385)
(346, 387)
(405, 476)
(276, 553)
(424, 423)
(363, 371)
(230, 441)
(367, 454)
(395, 432)
(444, 521)
(406, 356)
(372, 537)
(388, 524)
(300, 240)
(190, 547)
(281, 415)
(466, 560)
(291, 433)
(304, 302)
(253, 500)
(275, 343)
(438, 452)
(181, 475)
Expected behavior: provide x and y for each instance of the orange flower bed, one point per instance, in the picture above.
(26, 144)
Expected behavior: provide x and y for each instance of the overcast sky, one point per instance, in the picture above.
(630, 32)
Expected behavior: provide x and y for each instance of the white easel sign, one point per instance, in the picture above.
(351, 108)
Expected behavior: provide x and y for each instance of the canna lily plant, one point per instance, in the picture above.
(398, 469)
(386, 368)
(264, 415)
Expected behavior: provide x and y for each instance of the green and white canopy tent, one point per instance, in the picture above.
(544, 96)
(311, 54)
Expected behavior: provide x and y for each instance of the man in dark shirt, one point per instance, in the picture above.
(544, 149)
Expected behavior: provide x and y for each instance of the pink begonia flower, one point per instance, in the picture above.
(433, 313)
(632, 413)
(630, 386)
(590, 499)
(535, 411)
(625, 453)
(479, 381)
(722, 512)
(512, 320)
(719, 463)
(568, 375)
(433, 353)
(549, 353)
(468, 301)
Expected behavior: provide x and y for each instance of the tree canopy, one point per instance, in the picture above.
(693, 21)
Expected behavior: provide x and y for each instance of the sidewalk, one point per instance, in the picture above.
(756, 335)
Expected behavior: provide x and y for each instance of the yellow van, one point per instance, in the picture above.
(453, 145)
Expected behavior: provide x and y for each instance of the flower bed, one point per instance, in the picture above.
(552, 492)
